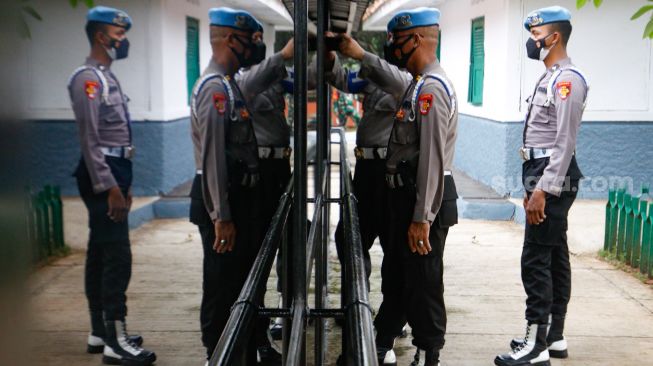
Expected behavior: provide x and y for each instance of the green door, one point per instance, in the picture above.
(192, 53)
(477, 62)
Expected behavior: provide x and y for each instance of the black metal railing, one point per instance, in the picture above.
(304, 253)
(245, 310)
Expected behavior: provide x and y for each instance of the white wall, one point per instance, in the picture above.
(456, 24)
(609, 48)
(154, 75)
(59, 45)
(605, 44)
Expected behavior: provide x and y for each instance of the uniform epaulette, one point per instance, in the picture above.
(200, 84)
(98, 73)
(445, 84)
(550, 95)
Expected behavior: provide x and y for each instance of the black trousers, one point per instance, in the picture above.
(224, 274)
(370, 190)
(412, 286)
(108, 256)
(545, 268)
(275, 175)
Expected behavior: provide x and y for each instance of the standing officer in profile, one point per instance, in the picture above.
(372, 135)
(550, 176)
(226, 194)
(264, 86)
(422, 194)
(104, 178)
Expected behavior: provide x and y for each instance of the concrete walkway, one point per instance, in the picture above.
(610, 316)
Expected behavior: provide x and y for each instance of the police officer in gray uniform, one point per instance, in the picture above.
(372, 134)
(104, 178)
(226, 194)
(550, 175)
(264, 86)
(422, 194)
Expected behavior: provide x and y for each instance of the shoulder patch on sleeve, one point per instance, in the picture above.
(564, 89)
(219, 101)
(425, 102)
(91, 88)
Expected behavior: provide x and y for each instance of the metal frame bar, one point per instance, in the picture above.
(298, 257)
(296, 347)
(244, 311)
(359, 346)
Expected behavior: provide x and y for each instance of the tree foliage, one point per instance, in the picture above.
(648, 30)
(20, 11)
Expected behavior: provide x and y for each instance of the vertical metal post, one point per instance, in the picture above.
(322, 142)
(296, 351)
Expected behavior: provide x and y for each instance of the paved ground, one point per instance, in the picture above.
(610, 316)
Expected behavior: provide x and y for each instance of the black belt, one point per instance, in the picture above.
(394, 180)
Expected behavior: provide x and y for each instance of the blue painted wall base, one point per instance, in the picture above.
(609, 154)
(164, 155)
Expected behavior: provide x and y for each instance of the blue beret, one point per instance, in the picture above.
(233, 18)
(418, 17)
(552, 14)
(103, 14)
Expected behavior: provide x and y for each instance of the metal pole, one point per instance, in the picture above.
(358, 313)
(296, 352)
(322, 142)
(241, 321)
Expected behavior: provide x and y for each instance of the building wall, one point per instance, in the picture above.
(154, 78)
(163, 155)
(614, 141)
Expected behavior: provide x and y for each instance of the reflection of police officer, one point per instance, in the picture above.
(226, 192)
(372, 135)
(422, 194)
(550, 175)
(264, 91)
(104, 177)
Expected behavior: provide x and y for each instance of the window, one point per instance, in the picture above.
(476, 62)
(192, 53)
(437, 52)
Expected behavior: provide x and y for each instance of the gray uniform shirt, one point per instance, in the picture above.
(267, 104)
(101, 123)
(211, 110)
(430, 137)
(556, 126)
(264, 95)
(378, 106)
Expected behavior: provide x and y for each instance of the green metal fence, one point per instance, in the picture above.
(45, 222)
(629, 228)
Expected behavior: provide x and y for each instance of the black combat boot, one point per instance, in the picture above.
(119, 350)
(426, 358)
(95, 343)
(266, 355)
(533, 350)
(555, 340)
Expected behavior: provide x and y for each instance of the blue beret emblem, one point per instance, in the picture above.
(121, 19)
(535, 20)
(403, 21)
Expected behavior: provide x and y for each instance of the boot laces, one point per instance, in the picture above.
(125, 342)
(525, 343)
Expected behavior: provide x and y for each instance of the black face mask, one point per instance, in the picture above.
(256, 52)
(118, 52)
(389, 53)
(535, 52)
